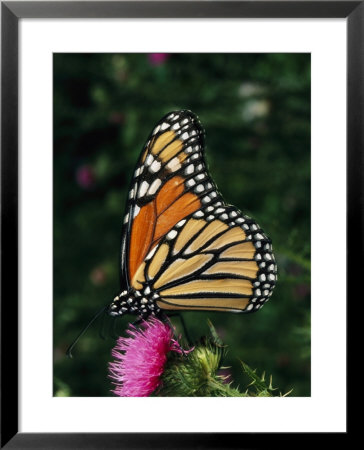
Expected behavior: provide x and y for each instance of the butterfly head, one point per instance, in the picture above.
(142, 303)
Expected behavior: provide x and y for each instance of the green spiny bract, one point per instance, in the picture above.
(195, 373)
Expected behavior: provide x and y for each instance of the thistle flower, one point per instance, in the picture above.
(141, 357)
(141, 366)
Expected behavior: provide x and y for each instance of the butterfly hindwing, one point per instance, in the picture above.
(216, 259)
(170, 182)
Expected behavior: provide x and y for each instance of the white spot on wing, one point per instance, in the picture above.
(143, 189)
(151, 253)
(174, 164)
(155, 167)
(149, 160)
(154, 186)
(189, 169)
(136, 210)
(172, 234)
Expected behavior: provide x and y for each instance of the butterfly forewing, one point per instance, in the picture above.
(170, 182)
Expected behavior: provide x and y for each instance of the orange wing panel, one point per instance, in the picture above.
(181, 208)
(169, 193)
(155, 219)
(141, 237)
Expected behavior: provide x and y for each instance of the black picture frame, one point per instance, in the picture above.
(11, 13)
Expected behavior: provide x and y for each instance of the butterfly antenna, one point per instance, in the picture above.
(70, 348)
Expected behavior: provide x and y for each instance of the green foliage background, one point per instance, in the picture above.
(255, 109)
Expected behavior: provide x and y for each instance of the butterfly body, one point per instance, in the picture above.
(183, 247)
(135, 302)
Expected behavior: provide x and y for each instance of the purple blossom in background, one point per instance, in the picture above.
(157, 59)
(140, 358)
(117, 117)
(98, 276)
(301, 291)
(85, 176)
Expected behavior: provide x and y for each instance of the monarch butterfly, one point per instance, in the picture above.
(183, 247)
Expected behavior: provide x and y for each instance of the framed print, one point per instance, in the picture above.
(167, 109)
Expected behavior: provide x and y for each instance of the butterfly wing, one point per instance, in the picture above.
(181, 240)
(215, 259)
(170, 182)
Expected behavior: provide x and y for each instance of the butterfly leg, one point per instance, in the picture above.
(186, 335)
(138, 321)
(183, 323)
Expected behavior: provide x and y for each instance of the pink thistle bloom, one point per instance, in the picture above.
(157, 59)
(140, 358)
